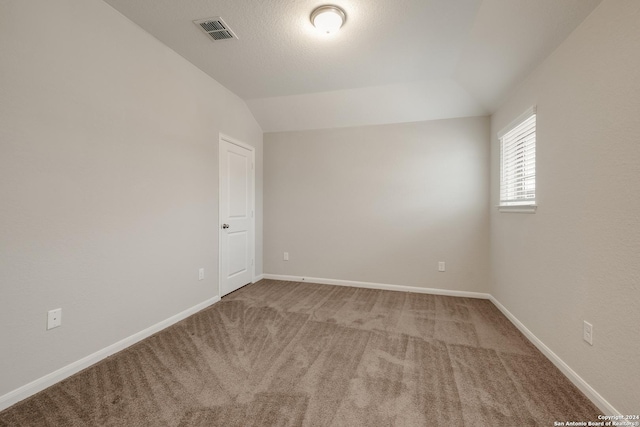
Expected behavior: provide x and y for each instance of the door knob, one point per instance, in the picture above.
(225, 226)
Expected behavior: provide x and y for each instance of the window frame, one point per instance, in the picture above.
(518, 205)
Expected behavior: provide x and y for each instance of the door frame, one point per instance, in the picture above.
(252, 240)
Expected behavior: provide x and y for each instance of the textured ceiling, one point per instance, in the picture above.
(393, 61)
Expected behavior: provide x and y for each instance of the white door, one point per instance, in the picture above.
(236, 215)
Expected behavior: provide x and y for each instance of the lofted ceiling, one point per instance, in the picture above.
(392, 62)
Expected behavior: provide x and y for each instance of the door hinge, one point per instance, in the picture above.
(251, 262)
(252, 166)
(251, 214)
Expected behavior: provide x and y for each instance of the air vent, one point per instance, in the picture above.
(216, 28)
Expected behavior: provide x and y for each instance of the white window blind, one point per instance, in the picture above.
(518, 163)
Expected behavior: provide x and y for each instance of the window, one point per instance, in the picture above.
(518, 164)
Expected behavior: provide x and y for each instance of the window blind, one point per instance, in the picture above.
(518, 164)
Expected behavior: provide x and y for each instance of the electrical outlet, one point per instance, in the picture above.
(587, 332)
(441, 266)
(286, 256)
(54, 318)
(201, 274)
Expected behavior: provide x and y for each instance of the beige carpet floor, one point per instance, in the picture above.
(302, 354)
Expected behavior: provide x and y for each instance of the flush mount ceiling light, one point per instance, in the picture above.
(328, 19)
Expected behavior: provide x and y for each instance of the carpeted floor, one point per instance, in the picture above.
(302, 354)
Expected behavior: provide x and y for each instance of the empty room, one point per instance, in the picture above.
(299, 213)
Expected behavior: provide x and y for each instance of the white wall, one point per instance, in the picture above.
(578, 257)
(381, 204)
(108, 181)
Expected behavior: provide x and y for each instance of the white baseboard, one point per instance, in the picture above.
(584, 387)
(383, 286)
(258, 278)
(48, 380)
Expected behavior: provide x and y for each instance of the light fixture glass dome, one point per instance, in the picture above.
(328, 19)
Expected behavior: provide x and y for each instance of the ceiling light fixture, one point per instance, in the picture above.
(328, 19)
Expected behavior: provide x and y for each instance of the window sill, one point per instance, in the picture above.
(529, 209)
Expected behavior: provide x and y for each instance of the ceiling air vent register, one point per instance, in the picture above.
(216, 28)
